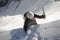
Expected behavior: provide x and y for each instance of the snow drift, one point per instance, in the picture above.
(48, 31)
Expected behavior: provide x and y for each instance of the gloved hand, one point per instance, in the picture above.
(44, 16)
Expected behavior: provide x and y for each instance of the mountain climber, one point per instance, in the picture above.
(30, 19)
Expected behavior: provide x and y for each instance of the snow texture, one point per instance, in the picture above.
(11, 20)
(49, 31)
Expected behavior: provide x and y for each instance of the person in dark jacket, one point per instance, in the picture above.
(30, 20)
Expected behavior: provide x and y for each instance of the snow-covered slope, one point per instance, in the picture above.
(20, 7)
(11, 27)
(48, 31)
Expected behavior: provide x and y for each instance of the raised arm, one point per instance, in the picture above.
(39, 16)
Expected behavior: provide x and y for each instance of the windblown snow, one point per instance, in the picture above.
(11, 21)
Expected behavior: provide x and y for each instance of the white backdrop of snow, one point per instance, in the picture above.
(11, 27)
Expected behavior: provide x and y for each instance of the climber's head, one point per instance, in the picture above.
(29, 15)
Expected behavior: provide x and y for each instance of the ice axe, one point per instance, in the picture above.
(43, 12)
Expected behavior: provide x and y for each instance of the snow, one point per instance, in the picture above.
(48, 31)
(11, 24)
